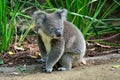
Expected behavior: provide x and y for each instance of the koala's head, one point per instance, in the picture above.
(52, 24)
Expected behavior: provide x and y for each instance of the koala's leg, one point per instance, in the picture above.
(42, 49)
(69, 60)
(82, 55)
(57, 49)
(65, 62)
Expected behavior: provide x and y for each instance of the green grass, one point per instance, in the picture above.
(9, 18)
(7, 24)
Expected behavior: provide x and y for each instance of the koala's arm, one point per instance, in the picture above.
(42, 47)
(55, 54)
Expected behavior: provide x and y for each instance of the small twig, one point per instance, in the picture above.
(110, 51)
(109, 38)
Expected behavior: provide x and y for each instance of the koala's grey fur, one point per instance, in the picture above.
(59, 40)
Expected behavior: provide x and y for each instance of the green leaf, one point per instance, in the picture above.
(21, 68)
(1, 61)
(116, 66)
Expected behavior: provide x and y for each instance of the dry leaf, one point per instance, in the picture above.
(19, 48)
(11, 53)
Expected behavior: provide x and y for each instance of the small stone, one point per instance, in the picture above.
(14, 73)
(112, 69)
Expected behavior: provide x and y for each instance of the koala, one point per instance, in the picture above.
(59, 40)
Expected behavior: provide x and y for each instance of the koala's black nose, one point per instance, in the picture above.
(58, 32)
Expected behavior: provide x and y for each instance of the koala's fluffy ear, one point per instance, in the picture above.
(39, 15)
(61, 13)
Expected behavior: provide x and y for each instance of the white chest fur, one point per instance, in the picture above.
(46, 40)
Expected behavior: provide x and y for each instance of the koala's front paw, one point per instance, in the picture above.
(49, 70)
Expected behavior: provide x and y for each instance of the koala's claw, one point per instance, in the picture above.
(49, 69)
(46, 70)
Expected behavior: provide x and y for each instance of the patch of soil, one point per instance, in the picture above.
(100, 58)
(89, 72)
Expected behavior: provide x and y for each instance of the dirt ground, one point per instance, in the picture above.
(101, 59)
(89, 72)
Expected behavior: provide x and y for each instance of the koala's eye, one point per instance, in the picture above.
(51, 28)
